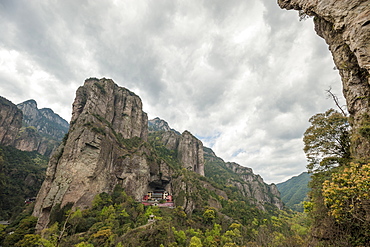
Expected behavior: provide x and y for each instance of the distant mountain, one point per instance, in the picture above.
(224, 175)
(44, 120)
(233, 176)
(294, 191)
(42, 129)
(158, 124)
(28, 128)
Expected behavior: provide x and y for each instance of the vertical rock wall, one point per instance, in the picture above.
(10, 122)
(105, 147)
(345, 26)
(190, 153)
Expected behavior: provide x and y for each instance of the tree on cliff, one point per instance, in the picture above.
(327, 141)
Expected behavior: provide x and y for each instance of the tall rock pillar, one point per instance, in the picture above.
(102, 150)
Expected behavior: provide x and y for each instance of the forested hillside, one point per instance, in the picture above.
(21, 176)
(294, 191)
(223, 217)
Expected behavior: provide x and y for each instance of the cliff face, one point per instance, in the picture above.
(44, 120)
(105, 147)
(10, 122)
(345, 26)
(29, 139)
(29, 129)
(253, 186)
(42, 129)
(249, 184)
(189, 149)
(190, 153)
(158, 124)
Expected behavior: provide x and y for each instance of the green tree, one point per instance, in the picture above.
(327, 141)
(209, 215)
(195, 242)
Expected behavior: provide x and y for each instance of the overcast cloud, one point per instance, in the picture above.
(243, 76)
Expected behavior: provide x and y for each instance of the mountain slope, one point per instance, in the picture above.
(294, 191)
(21, 176)
(97, 186)
(42, 129)
(226, 176)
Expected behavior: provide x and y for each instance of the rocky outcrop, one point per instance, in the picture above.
(190, 153)
(44, 120)
(158, 124)
(253, 186)
(29, 139)
(189, 149)
(42, 130)
(105, 147)
(10, 122)
(250, 185)
(345, 26)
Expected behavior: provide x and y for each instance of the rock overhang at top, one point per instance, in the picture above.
(345, 26)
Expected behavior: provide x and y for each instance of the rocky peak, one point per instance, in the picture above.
(190, 153)
(254, 186)
(189, 149)
(44, 120)
(345, 26)
(158, 124)
(105, 147)
(42, 129)
(10, 122)
(119, 107)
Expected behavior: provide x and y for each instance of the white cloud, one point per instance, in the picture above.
(243, 76)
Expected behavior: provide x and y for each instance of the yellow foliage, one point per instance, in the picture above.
(347, 192)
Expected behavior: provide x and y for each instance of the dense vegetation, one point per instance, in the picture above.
(294, 191)
(337, 211)
(340, 186)
(115, 219)
(21, 176)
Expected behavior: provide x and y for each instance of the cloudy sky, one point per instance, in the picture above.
(243, 76)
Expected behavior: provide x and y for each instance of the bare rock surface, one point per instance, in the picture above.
(105, 147)
(345, 26)
(45, 120)
(10, 122)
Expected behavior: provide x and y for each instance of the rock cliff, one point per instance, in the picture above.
(190, 153)
(10, 122)
(345, 26)
(108, 144)
(189, 149)
(44, 120)
(42, 129)
(249, 184)
(105, 147)
(158, 124)
(253, 186)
